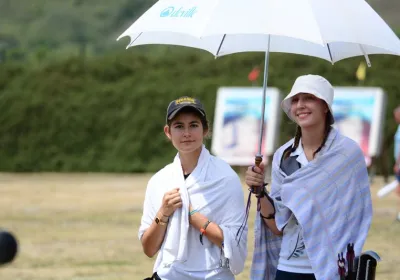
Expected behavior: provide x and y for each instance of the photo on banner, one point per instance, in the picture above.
(236, 128)
(359, 114)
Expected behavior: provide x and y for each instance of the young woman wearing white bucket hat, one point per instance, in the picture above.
(319, 204)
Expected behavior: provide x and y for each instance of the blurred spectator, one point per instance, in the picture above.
(396, 167)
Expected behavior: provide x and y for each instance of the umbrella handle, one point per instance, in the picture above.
(258, 160)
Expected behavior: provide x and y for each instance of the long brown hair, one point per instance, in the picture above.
(328, 127)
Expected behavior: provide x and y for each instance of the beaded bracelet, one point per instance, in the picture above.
(203, 231)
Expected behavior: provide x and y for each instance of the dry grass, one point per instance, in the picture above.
(84, 226)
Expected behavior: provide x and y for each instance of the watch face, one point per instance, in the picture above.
(157, 220)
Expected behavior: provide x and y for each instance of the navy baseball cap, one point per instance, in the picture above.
(183, 102)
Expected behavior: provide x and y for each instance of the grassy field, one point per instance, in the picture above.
(84, 226)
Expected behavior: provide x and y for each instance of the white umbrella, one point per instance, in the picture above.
(329, 29)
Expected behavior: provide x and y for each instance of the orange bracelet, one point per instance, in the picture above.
(203, 231)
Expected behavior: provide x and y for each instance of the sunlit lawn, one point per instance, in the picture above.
(84, 226)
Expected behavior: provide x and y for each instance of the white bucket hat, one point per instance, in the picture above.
(312, 84)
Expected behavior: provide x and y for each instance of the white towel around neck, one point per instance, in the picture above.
(175, 245)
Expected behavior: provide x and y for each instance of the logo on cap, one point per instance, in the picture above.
(187, 100)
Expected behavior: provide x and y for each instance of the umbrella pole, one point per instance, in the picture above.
(259, 155)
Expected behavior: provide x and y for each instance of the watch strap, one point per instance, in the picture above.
(160, 222)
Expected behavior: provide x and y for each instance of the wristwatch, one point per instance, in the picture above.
(160, 222)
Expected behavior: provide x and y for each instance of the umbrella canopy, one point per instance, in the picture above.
(329, 29)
